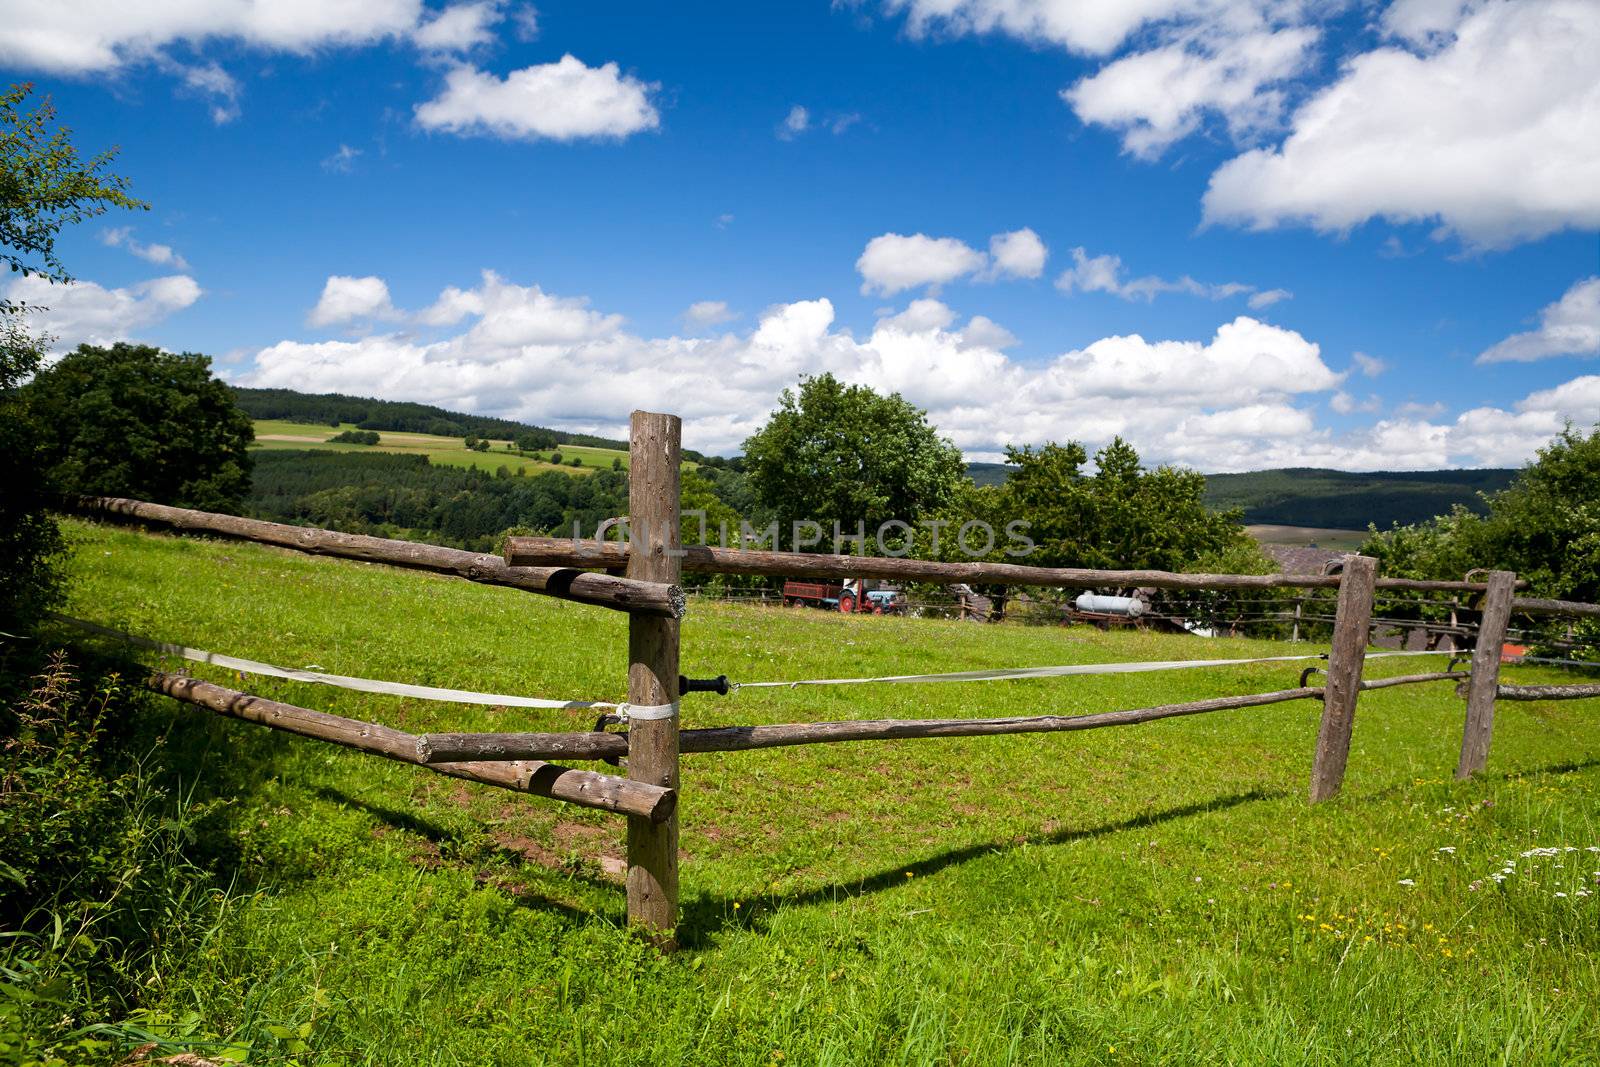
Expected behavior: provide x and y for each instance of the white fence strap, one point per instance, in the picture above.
(1062, 671)
(646, 711)
(364, 685)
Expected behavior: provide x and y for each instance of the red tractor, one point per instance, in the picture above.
(851, 596)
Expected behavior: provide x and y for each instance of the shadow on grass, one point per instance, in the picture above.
(1565, 767)
(476, 853)
(707, 915)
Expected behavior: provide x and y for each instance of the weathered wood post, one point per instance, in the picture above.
(1479, 728)
(1352, 622)
(654, 445)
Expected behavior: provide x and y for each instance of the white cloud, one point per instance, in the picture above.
(796, 122)
(1161, 95)
(210, 80)
(560, 101)
(1243, 399)
(1371, 366)
(459, 28)
(347, 299)
(1103, 274)
(1346, 404)
(97, 37)
(1568, 327)
(1018, 254)
(84, 312)
(159, 254)
(708, 313)
(1490, 132)
(840, 123)
(1090, 27)
(893, 262)
(343, 161)
(1267, 297)
(525, 21)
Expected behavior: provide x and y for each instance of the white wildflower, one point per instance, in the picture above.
(1407, 881)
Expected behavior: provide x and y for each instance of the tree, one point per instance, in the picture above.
(29, 540)
(1124, 516)
(844, 453)
(535, 441)
(1545, 526)
(44, 186)
(132, 420)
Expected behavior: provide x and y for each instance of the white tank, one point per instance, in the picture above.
(1130, 606)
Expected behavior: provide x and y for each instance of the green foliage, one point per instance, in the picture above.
(1124, 516)
(844, 453)
(102, 885)
(535, 441)
(555, 457)
(355, 437)
(395, 495)
(132, 420)
(29, 540)
(1545, 526)
(45, 185)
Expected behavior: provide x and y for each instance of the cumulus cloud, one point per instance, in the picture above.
(1481, 117)
(159, 254)
(1161, 95)
(346, 299)
(87, 38)
(343, 161)
(1018, 254)
(1568, 327)
(704, 313)
(84, 312)
(894, 262)
(1244, 398)
(1104, 274)
(1345, 404)
(1095, 28)
(561, 101)
(458, 28)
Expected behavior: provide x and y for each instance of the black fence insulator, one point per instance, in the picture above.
(718, 685)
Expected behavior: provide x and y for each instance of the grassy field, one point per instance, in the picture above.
(1335, 540)
(452, 451)
(1160, 894)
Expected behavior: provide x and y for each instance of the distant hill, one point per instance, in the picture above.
(1309, 496)
(331, 409)
(989, 473)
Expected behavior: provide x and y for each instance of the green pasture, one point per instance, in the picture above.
(1154, 894)
(452, 451)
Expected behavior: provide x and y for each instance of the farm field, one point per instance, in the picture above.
(1159, 894)
(1345, 540)
(452, 451)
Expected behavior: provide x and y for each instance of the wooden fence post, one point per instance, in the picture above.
(1479, 728)
(654, 446)
(1351, 624)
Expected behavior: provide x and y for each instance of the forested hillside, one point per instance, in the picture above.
(1308, 496)
(334, 409)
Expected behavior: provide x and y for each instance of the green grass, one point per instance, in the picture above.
(1159, 894)
(452, 451)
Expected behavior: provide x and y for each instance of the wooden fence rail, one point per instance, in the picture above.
(584, 788)
(664, 600)
(1547, 692)
(709, 559)
(649, 593)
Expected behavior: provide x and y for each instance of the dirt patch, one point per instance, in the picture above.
(576, 835)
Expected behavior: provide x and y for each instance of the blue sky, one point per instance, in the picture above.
(1346, 235)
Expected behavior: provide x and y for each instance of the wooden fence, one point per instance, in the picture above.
(652, 562)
